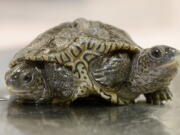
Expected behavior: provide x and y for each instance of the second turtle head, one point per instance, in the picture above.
(25, 81)
(154, 68)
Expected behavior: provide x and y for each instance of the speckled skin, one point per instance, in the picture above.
(86, 58)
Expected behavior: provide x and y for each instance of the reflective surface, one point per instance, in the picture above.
(88, 118)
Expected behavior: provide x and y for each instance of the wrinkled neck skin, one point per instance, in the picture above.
(148, 78)
(136, 80)
(130, 89)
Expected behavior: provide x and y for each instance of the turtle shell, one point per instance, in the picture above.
(67, 42)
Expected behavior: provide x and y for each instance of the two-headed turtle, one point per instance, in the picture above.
(83, 58)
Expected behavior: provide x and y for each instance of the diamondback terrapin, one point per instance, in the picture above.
(83, 58)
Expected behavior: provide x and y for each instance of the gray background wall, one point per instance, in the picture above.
(149, 22)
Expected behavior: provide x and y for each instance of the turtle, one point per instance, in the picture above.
(85, 58)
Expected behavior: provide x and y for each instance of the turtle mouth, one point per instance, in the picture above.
(23, 94)
(12, 90)
(174, 62)
(177, 59)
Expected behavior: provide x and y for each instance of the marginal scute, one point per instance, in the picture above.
(126, 46)
(113, 46)
(45, 57)
(77, 49)
(58, 58)
(101, 48)
(65, 58)
(88, 57)
(90, 45)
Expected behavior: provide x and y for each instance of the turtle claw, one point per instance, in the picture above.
(158, 97)
(44, 99)
(40, 101)
(98, 74)
(101, 79)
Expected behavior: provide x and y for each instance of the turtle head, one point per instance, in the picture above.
(154, 68)
(25, 82)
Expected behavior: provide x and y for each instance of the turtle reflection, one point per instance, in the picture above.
(87, 120)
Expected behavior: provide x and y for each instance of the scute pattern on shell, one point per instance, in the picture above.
(75, 37)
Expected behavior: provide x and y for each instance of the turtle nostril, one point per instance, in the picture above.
(14, 77)
(10, 78)
(9, 81)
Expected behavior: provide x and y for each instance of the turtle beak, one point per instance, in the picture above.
(177, 52)
(174, 60)
(177, 57)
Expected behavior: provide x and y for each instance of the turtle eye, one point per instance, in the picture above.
(27, 78)
(156, 52)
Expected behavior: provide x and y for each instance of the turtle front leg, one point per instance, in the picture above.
(45, 98)
(158, 97)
